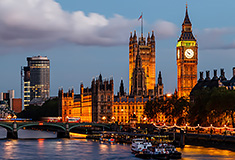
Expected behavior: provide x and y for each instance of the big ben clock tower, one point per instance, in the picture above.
(187, 59)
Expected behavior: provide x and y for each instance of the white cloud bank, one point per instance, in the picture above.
(43, 23)
(32, 23)
(29, 22)
(165, 29)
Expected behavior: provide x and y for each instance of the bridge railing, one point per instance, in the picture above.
(200, 129)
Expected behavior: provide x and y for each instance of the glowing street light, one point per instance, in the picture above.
(113, 118)
(168, 94)
(103, 118)
(9, 117)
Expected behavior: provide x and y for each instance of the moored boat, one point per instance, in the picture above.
(139, 145)
(173, 153)
(107, 138)
(162, 152)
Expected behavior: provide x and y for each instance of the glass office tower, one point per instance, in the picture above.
(36, 79)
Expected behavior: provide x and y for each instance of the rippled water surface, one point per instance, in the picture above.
(81, 149)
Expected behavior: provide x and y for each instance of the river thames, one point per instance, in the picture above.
(28, 146)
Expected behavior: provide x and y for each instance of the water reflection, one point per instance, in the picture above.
(34, 134)
(10, 147)
(3, 133)
(58, 146)
(198, 152)
(87, 149)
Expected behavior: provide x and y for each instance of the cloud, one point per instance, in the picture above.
(31, 23)
(216, 38)
(165, 29)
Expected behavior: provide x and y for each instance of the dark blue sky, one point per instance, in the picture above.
(85, 38)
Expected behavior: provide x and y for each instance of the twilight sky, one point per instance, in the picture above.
(85, 38)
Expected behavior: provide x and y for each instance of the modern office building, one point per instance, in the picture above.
(36, 79)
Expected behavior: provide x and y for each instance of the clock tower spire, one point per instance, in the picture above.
(187, 58)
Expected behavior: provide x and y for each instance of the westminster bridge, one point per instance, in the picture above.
(62, 129)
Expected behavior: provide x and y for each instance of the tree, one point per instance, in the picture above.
(222, 101)
(151, 109)
(176, 108)
(173, 108)
(48, 109)
(198, 110)
(213, 106)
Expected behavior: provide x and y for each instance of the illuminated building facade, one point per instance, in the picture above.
(102, 105)
(71, 105)
(98, 103)
(138, 87)
(125, 107)
(187, 59)
(147, 54)
(91, 105)
(36, 79)
(102, 99)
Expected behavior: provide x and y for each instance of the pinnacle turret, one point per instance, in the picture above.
(131, 38)
(152, 36)
(186, 19)
(186, 33)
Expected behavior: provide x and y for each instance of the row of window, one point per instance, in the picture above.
(133, 107)
(65, 111)
(102, 98)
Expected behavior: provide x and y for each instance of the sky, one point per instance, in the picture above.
(85, 38)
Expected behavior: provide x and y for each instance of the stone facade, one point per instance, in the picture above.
(187, 59)
(147, 53)
(71, 105)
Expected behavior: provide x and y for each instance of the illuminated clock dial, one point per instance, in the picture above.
(189, 53)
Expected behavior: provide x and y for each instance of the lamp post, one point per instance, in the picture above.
(186, 128)
(113, 119)
(211, 130)
(145, 119)
(198, 128)
(225, 132)
(9, 117)
(104, 118)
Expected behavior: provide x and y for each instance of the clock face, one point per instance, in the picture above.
(189, 53)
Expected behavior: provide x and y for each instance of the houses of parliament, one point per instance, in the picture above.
(98, 103)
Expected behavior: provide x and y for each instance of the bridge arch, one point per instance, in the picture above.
(44, 124)
(6, 126)
(88, 124)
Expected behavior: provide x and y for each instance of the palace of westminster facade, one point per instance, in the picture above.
(99, 104)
